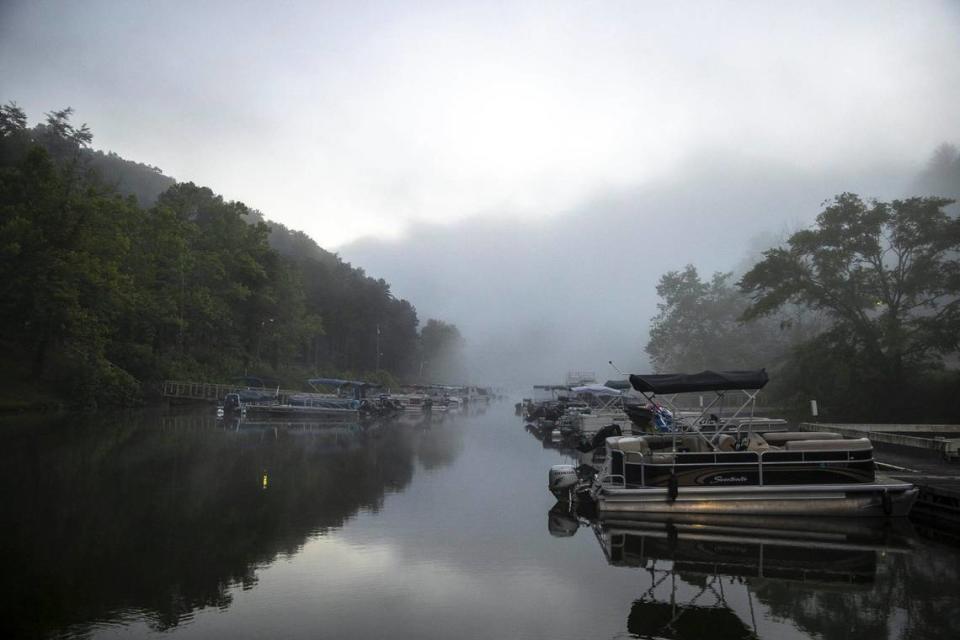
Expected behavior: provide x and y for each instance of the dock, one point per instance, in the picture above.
(940, 438)
(275, 402)
(214, 392)
(923, 454)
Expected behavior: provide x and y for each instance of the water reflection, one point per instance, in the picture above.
(156, 516)
(138, 525)
(733, 577)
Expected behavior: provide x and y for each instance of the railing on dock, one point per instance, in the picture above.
(213, 391)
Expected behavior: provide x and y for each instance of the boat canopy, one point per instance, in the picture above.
(703, 381)
(597, 390)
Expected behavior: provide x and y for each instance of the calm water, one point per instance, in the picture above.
(151, 524)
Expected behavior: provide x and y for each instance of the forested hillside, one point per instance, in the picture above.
(113, 276)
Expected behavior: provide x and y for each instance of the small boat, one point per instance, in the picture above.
(733, 468)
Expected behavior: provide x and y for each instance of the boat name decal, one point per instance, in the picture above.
(724, 479)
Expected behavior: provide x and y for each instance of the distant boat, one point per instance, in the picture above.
(346, 400)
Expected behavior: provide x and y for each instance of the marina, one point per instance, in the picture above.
(734, 467)
(482, 321)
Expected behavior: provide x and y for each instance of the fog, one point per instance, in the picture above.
(524, 170)
(538, 299)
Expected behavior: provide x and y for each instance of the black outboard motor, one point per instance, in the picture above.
(599, 438)
(231, 403)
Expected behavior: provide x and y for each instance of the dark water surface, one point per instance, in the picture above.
(151, 524)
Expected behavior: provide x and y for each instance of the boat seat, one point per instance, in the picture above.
(632, 444)
(757, 443)
(852, 444)
(779, 437)
(726, 442)
(695, 443)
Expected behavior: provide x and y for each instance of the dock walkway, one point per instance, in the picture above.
(927, 455)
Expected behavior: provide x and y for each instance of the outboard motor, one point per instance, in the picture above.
(599, 438)
(231, 403)
(563, 481)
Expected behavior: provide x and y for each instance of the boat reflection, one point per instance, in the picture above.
(698, 566)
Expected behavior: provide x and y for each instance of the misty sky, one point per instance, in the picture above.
(445, 145)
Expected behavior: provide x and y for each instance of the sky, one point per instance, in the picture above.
(501, 130)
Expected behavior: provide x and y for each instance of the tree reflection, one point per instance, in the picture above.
(160, 517)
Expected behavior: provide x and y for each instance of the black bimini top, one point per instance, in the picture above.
(703, 381)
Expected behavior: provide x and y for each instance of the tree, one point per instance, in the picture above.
(941, 176)
(13, 119)
(441, 347)
(699, 327)
(885, 275)
(64, 242)
(99, 293)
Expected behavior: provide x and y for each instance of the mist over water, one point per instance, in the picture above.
(572, 291)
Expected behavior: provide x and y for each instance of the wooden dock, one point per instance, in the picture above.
(923, 454)
(940, 438)
(215, 392)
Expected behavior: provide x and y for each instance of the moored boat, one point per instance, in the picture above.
(733, 469)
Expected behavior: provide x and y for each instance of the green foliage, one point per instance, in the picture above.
(357, 311)
(887, 277)
(941, 176)
(101, 294)
(698, 326)
(384, 379)
(13, 119)
(144, 182)
(441, 352)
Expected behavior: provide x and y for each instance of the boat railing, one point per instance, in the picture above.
(720, 458)
(723, 459)
(613, 481)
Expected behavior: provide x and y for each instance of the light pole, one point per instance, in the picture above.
(378, 348)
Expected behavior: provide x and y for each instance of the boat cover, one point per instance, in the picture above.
(336, 382)
(596, 389)
(703, 381)
(620, 385)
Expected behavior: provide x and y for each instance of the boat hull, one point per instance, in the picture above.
(855, 500)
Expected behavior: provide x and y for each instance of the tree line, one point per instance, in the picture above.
(114, 276)
(861, 311)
